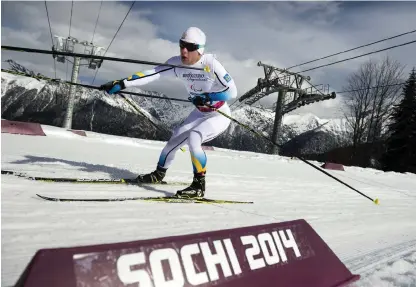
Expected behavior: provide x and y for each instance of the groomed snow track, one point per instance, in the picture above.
(365, 236)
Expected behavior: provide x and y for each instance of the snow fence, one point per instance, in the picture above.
(279, 254)
(14, 127)
(333, 166)
(30, 129)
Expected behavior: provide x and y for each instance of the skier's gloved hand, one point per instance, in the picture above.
(198, 100)
(201, 100)
(113, 86)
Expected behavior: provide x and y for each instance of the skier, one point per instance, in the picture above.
(213, 87)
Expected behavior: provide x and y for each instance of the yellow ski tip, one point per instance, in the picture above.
(376, 201)
(207, 69)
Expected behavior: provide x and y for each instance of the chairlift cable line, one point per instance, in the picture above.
(50, 30)
(128, 12)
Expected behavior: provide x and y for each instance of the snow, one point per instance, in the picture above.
(308, 121)
(396, 273)
(52, 131)
(9, 80)
(376, 241)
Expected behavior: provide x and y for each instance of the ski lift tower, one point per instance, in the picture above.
(72, 45)
(290, 94)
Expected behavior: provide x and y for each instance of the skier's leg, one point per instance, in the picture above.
(209, 129)
(167, 155)
(206, 131)
(178, 139)
(198, 156)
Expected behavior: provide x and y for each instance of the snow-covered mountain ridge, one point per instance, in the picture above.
(28, 99)
(306, 122)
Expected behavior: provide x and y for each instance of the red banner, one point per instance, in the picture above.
(23, 128)
(281, 254)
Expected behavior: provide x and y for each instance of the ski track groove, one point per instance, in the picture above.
(369, 260)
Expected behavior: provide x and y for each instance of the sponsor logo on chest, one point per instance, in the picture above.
(194, 77)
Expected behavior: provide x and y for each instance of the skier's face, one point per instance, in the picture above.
(189, 53)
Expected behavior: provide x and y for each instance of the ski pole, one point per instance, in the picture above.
(376, 201)
(40, 77)
(139, 111)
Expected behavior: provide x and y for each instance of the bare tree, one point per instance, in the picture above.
(373, 91)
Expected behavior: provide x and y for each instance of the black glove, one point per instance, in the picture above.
(113, 86)
(201, 100)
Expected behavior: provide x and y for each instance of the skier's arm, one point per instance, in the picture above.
(230, 89)
(145, 77)
(140, 78)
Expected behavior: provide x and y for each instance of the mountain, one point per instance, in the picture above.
(29, 99)
(315, 135)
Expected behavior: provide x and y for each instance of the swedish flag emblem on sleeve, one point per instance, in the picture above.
(227, 78)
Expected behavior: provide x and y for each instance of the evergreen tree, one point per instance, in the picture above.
(400, 153)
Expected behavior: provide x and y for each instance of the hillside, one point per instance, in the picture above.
(28, 99)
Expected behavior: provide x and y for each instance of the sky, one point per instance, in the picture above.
(278, 33)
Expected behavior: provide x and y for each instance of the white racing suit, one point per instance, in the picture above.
(202, 124)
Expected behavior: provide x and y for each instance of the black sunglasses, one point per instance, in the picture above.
(189, 46)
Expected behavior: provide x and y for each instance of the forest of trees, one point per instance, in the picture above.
(381, 115)
(400, 154)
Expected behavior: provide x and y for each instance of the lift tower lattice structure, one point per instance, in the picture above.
(291, 95)
(72, 45)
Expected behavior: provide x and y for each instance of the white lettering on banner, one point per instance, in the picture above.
(264, 242)
(128, 276)
(186, 253)
(279, 246)
(233, 257)
(289, 243)
(156, 257)
(264, 249)
(272, 258)
(194, 275)
(251, 252)
(212, 260)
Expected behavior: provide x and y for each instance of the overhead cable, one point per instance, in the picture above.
(96, 71)
(50, 30)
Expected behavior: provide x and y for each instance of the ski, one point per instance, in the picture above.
(166, 199)
(128, 181)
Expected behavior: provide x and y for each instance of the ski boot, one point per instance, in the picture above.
(196, 189)
(153, 177)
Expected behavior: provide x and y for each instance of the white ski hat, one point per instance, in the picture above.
(196, 36)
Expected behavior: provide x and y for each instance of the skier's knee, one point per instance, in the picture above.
(195, 137)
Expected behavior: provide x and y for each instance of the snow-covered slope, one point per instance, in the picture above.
(366, 237)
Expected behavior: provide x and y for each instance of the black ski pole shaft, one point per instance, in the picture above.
(376, 201)
(39, 51)
(156, 97)
(133, 105)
